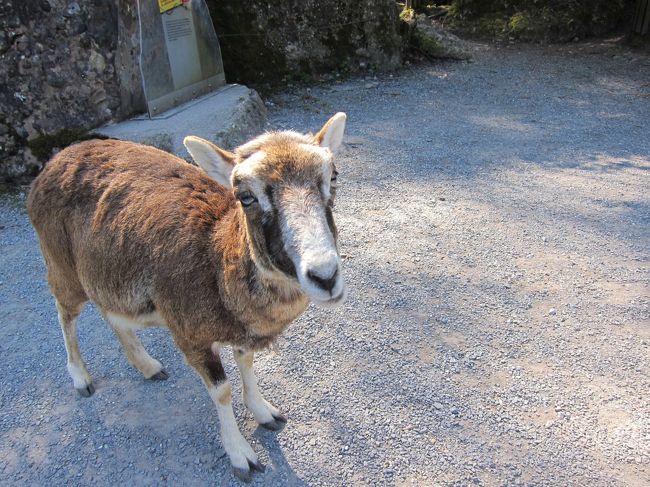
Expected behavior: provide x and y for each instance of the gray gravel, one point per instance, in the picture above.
(495, 219)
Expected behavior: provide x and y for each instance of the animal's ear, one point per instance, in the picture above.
(331, 135)
(214, 160)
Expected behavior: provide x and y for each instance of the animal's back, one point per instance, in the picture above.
(107, 211)
(94, 174)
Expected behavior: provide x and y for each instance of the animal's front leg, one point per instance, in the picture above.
(265, 413)
(207, 363)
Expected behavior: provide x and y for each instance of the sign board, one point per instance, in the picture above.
(182, 47)
(180, 57)
(165, 5)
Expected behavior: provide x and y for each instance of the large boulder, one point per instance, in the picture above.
(431, 39)
(229, 117)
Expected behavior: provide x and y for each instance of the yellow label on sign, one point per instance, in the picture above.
(168, 4)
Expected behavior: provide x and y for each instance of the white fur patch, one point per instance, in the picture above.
(333, 137)
(80, 376)
(327, 180)
(236, 446)
(125, 328)
(310, 244)
(76, 366)
(248, 167)
(323, 152)
(262, 410)
(204, 154)
(135, 322)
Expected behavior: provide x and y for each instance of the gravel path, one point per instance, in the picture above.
(495, 219)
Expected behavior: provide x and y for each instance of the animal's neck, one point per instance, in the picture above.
(265, 299)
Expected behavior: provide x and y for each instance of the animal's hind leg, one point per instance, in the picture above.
(135, 352)
(70, 298)
(265, 413)
(81, 379)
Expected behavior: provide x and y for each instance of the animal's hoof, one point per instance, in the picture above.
(242, 474)
(87, 391)
(162, 375)
(277, 424)
(246, 475)
(259, 466)
(280, 417)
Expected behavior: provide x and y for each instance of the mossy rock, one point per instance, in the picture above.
(43, 146)
(433, 41)
(427, 45)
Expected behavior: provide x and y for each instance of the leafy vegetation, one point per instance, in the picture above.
(534, 20)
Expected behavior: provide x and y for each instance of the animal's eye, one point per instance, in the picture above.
(246, 198)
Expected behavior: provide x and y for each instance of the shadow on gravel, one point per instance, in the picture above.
(281, 472)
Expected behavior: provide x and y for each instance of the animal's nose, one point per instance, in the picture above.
(325, 283)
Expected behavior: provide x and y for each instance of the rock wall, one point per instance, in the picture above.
(67, 66)
(57, 75)
(268, 42)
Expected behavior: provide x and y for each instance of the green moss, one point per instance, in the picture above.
(407, 15)
(518, 22)
(43, 146)
(492, 25)
(426, 44)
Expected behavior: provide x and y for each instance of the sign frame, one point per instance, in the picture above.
(180, 63)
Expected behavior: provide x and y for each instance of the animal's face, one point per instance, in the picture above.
(285, 183)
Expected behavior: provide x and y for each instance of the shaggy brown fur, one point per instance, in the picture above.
(137, 230)
(152, 240)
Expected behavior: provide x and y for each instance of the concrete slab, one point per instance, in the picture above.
(228, 117)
